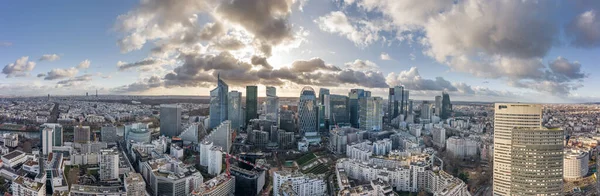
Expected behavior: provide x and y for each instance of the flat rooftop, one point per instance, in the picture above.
(13, 154)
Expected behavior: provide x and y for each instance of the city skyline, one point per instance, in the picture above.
(504, 50)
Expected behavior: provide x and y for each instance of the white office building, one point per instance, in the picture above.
(109, 164)
(575, 164)
(360, 151)
(221, 136)
(461, 147)
(439, 136)
(215, 160)
(302, 184)
(205, 147)
(47, 140)
(170, 177)
(23, 186)
(382, 147)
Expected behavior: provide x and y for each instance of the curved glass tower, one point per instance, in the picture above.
(307, 115)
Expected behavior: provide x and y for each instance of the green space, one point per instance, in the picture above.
(288, 164)
(319, 169)
(305, 159)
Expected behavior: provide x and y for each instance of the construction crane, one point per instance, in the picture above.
(228, 166)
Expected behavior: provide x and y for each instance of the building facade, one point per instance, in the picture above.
(218, 103)
(371, 114)
(251, 103)
(109, 164)
(272, 104)
(575, 164)
(307, 115)
(234, 110)
(170, 120)
(81, 134)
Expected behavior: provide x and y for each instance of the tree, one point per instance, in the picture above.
(464, 177)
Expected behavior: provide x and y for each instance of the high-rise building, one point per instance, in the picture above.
(134, 184)
(248, 182)
(109, 133)
(215, 157)
(272, 109)
(285, 139)
(404, 104)
(109, 164)
(81, 134)
(506, 117)
(251, 103)
(307, 115)
(324, 109)
(438, 105)
(340, 115)
(446, 106)
(354, 96)
(47, 138)
(218, 103)
(221, 136)
(396, 102)
(536, 161)
(234, 113)
(170, 120)
(575, 164)
(287, 121)
(425, 111)
(205, 147)
(371, 113)
(58, 133)
(439, 136)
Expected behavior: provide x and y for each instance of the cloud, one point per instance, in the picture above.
(362, 65)
(411, 79)
(49, 57)
(122, 66)
(76, 81)
(41, 75)
(228, 44)
(385, 56)
(58, 73)
(311, 65)
(563, 70)
(337, 22)
(5, 44)
(140, 86)
(585, 30)
(256, 60)
(20, 68)
(84, 64)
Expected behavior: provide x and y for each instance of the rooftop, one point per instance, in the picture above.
(13, 154)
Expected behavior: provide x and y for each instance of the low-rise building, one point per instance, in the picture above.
(23, 186)
(13, 158)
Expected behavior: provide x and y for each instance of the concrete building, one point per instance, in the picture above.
(285, 139)
(11, 139)
(218, 103)
(302, 184)
(248, 182)
(340, 137)
(109, 134)
(360, 151)
(58, 133)
(81, 134)
(170, 120)
(307, 115)
(109, 164)
(23, 186)
(439, 136)
(371, 114)
(134, 184)
(425, 111)
(205, 147)
(438, 105)
(176, 151)
(13, 158)
(104, 189)
(215, 160)
(221, 136)
(234, 110)
(575, 164)
(171, 177)
(506, 117)
(536, 161)
(221, 185)
(461, 147)
(382, 147)
(47, 140)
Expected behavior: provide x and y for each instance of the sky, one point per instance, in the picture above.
(476, 50)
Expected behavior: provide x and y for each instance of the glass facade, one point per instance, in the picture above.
(218, 103)
(234, 109)
(251, 103)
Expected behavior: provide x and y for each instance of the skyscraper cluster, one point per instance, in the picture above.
(397, 102)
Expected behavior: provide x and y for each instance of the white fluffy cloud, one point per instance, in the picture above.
(362, 65)
(20, 68)
(385, 56)
(585, 29)
(58, 73)
(49, 57)
(84, 64)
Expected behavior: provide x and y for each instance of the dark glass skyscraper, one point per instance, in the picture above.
(446, 106)
(218, 103)
(324, 109)
(251, 103)
(354, 95)
(340, 114)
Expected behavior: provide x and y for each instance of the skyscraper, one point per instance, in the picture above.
(507, 116)
(395, 102)
(272, 104)
(307, 115)
(47, 137)
(446, 106)
(324, 109)
(251, 103)
(58, 133)
(536, 161)
(404, 103)
(170, 120)
(355, 95)
(371, 113)
(438, 105)
(340, 115)
(108, 133)
(234, 113)
(218, 103)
